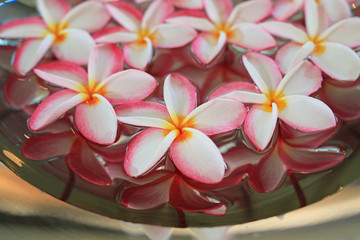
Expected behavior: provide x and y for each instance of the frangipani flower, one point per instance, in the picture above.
(180, 126)
(328, 47)
(225, 23)
(285, 98)
(335, 9)
(188, 4)
(64, 30)
(143, 32)
(92, 93)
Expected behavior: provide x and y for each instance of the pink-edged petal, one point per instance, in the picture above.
(179, 96)
(173, 35)
(239, 157)
(207, 46)
(260, 124)
(96, 120)
(83, 161)
(53, 107)
(217, 116)
(82, 17)
(156, 13)
(303, 79)
(252, 37)
(195, 19)
(231, 87)
(128, 86)
(292, 53)
(309, 160)
(189, 4)
(307, 114)
(197, 157)
(285, 30)
(147, 114)
(348, 69)
(104, 61)
(138, 55)
(218, 11)
(268, 173)
(250, 11)
(146, 150)
(312, 18)
(284, 9)
(51, 145)
(263, 71)
(30, 52)
(30, 27)
(149, 195)
(125, 14)
(75, 47)
(114, 35)
(343, 32)
(52, 11)
(336, 9)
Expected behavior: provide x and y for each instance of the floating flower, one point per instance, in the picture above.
(143, 32)
(64, 30)
(225, 23)
(188, 4)
(91, 93)
(285, 98)
(327, 47)
(180, 126)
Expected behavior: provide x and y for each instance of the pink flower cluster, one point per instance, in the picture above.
(173, 147)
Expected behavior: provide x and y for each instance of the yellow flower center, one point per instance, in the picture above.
(56, 30)
(90, 92)
(223, 27)
(180, 124)
(276, 98)
(319, 47)
(142, 35)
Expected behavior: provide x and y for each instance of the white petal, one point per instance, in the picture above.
(156, 13)
(250, 11)
(285, 30)
(138, 55)
(52, 11)
(312, 18)
(173, 35)
(218, 11)
(23, 28)
(114, 35)
(125, 14)
(198, 22)
(336, 9)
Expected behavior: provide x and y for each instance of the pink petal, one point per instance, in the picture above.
(250, 11)
(138, 55)
(309, 160)
(251, 36)
(96, 120)
(147, 114)
(64, 74)
(104, 61)
(52, 11)
(30, 27)
(83, 161)
(207, 46)
(75, 47)
(303, 79)
(307, 114)
(114, 35)
(173, 35)
(82, 17)
(348, 69)
(284, 9)
(197, 157)
(343, 32)
(260, 124)
(336, 9)
(189, 4)
(263, 71)
(146, 150)
(156, 13)
(217, 116)
(312, 17)
(30, 52)
(285, 30)
(239, 157)
(218, 11)
(125, 14)
(195, 19)
(227, 89)
(53, 107)
(179, 96)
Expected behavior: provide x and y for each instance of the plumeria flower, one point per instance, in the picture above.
(328, 47)
(184, 129)
(224, 23)
(285, 98)
(63, 29)
(92, 93)
(188, 4)
(140, 33)
(335, 9)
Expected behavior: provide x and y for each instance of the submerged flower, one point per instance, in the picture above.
(184, 129)
(285, 98)
(141, 33)
(92, 93)
(188, 4)
(226, 23)
(327, 47)
(64, 30)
